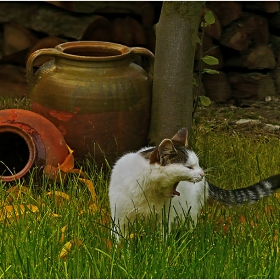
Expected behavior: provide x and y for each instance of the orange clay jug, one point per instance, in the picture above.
(28, 143)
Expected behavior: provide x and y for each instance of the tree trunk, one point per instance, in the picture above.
(176, 34)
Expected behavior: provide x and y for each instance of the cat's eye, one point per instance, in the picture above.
(189, 167)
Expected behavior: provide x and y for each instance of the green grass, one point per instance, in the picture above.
(227, 243)
(14, 103)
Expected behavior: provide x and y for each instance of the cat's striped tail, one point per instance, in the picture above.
(245, 195)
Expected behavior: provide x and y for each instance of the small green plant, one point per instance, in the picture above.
(207, 59)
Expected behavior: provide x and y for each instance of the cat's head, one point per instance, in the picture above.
(175, 151)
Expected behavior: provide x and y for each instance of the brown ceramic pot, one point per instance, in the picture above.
(28, 140)
(95, 95)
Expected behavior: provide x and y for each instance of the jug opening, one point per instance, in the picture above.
(92, 52)
(15, 155)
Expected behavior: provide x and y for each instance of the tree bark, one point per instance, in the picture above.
(176, 34)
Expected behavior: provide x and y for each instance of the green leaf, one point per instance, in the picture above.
(209, 17)
(194, 82)
(210, 60)
(210, 71)
(204, 100)
(198, 40)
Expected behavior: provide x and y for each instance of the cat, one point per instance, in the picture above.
(168, 181)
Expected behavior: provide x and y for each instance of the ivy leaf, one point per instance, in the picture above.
(209, 17)
(194, 82)
(204, 100)
(210, 71)
(210, 60)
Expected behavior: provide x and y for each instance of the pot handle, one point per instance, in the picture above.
(149, 55)
(32, 57)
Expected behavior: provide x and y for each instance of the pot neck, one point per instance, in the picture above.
(93, 52)
(94, 62)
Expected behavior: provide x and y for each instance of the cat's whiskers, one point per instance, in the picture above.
(208, 170)
(199, 154)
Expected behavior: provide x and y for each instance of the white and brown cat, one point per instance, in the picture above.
(168, 181)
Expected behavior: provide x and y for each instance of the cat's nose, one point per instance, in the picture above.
(202, 174)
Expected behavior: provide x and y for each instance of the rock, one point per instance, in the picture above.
(271, 127)
(242, 121)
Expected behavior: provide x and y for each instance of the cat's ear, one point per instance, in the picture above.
(181, 136)
(154, 157)
(165, 149)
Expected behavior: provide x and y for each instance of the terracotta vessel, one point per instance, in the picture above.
(95, 95)
(28, 140)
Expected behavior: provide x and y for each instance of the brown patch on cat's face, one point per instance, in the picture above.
(169, 150)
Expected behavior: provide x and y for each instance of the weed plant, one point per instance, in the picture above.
(14, 103)
(68, 238)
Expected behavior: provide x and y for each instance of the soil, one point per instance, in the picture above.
(251, 118)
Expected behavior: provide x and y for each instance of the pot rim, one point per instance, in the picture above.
(31, 147)
(124, 50)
